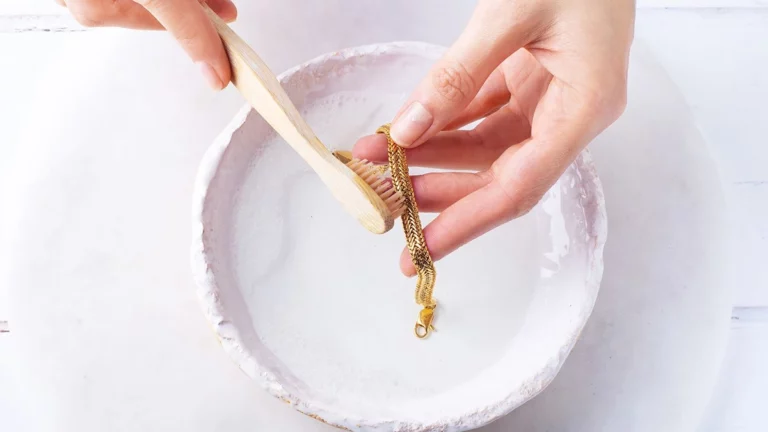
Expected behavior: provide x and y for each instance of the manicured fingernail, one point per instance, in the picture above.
(411, 125)
(210, 76)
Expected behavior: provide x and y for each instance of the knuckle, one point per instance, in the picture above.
(595, 104)
(527, 203)
(520, 203)
(609, 103)
(452, 81)
(609, 106)
(520, 196)
(619, 104)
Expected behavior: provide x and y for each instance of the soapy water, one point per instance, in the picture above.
(313, 306)
(327, 298)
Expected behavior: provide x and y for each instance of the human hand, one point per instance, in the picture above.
(184, 19)
(547, 75)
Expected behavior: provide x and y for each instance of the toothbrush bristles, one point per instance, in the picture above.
(371, 174)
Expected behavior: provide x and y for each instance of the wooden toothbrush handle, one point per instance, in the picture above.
(260, 87)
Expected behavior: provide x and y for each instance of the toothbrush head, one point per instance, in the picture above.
(391, 204)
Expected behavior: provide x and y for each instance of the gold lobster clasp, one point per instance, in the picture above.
(424, 325)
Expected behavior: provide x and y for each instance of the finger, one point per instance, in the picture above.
(492, 95)
(129, 14)
(456, 78)
(522, 175)
(189, 24)
(124, 13)
(527, 80)
(372, 148)
(519, 82)
(459, 150)
(437, 191)
(465, 220)
(225, 9)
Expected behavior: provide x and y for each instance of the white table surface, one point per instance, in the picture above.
(715, 51)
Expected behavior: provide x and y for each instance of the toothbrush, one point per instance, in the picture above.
(358, 185)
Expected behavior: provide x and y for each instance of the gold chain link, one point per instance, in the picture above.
(414, 236)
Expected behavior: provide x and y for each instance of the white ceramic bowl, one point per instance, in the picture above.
(313, 307)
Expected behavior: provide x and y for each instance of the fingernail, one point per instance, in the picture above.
(411, 125)
(210, 76)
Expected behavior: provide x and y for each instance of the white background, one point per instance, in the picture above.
(715, 50)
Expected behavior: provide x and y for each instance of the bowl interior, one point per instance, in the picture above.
(315, 307)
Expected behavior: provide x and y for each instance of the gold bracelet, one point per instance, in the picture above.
(414, 236)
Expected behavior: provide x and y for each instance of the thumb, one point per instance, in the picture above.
(494, 32)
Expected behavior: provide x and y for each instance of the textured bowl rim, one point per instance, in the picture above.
(229, 336)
